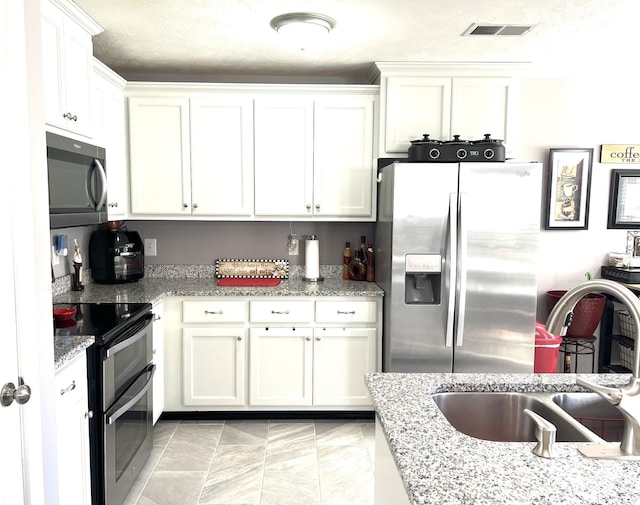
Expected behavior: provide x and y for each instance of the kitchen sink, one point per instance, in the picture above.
(593, 412)
(500, 417)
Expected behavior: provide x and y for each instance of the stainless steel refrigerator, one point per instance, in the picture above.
(456, 255)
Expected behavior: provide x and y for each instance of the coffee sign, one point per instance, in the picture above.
(620, 153)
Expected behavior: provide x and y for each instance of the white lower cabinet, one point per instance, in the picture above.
(72, 419)
(270, 353)
(341, 358)
(213, 366)
(280, 366)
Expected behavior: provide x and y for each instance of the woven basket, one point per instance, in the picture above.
(626, 355)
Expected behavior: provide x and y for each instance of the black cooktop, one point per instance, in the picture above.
(102, 320)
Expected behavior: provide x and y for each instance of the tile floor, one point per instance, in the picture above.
(305, 462)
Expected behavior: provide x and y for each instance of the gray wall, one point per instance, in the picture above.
(202, 242)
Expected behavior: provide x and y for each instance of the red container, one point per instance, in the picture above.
(546, 351)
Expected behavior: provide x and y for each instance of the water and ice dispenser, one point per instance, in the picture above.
(422, 279)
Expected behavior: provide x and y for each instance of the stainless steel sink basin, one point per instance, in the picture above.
(593, 412)
(499, 416)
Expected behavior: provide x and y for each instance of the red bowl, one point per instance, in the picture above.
(64, 314)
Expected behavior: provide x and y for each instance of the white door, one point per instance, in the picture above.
(27, 464)
(343, 171)
(222, 155)
(284, 157)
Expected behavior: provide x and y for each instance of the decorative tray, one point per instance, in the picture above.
(252, 269)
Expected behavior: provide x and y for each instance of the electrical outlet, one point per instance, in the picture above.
(150, 247)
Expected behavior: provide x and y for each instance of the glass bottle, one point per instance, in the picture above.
(346, 259)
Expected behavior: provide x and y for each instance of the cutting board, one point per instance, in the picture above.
(230, 281)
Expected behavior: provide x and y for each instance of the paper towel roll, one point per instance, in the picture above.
(312, 258)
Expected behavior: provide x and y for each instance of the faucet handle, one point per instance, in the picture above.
(612, 395)
(545, 435)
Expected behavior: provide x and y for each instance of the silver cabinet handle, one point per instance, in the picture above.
(156, 317)
(213, 312)
(239, 339)
(307, 339)
(89, 415)
(317, 206)
(308, 207)
(318, 339)
(70, 116)
(280, 312)
(184, 205)
(346, 311)
(69, 388)
(195, 205)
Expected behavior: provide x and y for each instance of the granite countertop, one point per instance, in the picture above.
(66, 347)
(440, 465)
(153, 289)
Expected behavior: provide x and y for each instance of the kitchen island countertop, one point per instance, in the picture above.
(66, 347)
(439, 465)
(153, 289)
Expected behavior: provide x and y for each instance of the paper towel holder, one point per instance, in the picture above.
(307, 278)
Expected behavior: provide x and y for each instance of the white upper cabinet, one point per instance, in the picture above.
(284, 157)
(256, 152)
(444, 100)
(108, 115)
(67, 66)
(315, 157)
(159, 155)
(222, 155)
(343, 162)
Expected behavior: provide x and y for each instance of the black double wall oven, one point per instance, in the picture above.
(120, 373)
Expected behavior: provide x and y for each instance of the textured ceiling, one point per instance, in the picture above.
(232, 40)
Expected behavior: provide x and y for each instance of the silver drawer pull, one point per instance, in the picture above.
(346, 312)
(70, 387)
(214, 312)
(279, 311)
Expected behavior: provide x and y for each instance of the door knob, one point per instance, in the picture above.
(9, 392)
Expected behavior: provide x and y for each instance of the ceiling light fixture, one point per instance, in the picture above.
(303, 27)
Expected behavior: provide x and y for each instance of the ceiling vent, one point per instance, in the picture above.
(487, 29)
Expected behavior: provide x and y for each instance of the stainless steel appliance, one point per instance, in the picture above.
(116, 256)
(77, 182)
(119, 373)
(456, 252)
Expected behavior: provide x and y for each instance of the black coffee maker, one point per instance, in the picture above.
(116, 256)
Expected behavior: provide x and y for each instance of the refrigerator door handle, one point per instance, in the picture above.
(462, 287)
(453, 232)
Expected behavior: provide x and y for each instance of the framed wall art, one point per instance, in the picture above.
(624, 199)
(568, 189)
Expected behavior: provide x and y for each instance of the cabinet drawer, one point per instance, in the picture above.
(70, 383)
(273, 311)
(213, 311)
(346, 312)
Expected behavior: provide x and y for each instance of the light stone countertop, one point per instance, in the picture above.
(151, 289)
(440, 465)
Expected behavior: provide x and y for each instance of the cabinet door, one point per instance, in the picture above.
(411, 107)
(222, 155)
(280, 366)
(284, 157)
(159, 155)
(67, 55)
(158, 360)
(341, 358)
(108, 128)
(78, 76)
(486, 105)
(213, 366)
(343, 157)
(72, 416)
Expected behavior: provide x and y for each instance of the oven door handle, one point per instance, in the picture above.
(126, 402)
(127, 340)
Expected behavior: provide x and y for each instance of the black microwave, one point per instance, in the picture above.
(77, 182)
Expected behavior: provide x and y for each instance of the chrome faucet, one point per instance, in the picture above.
(627, 398)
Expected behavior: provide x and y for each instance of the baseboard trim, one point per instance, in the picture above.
(248, 415)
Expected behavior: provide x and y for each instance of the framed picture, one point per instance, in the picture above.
(568, 189)
(624, 199)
